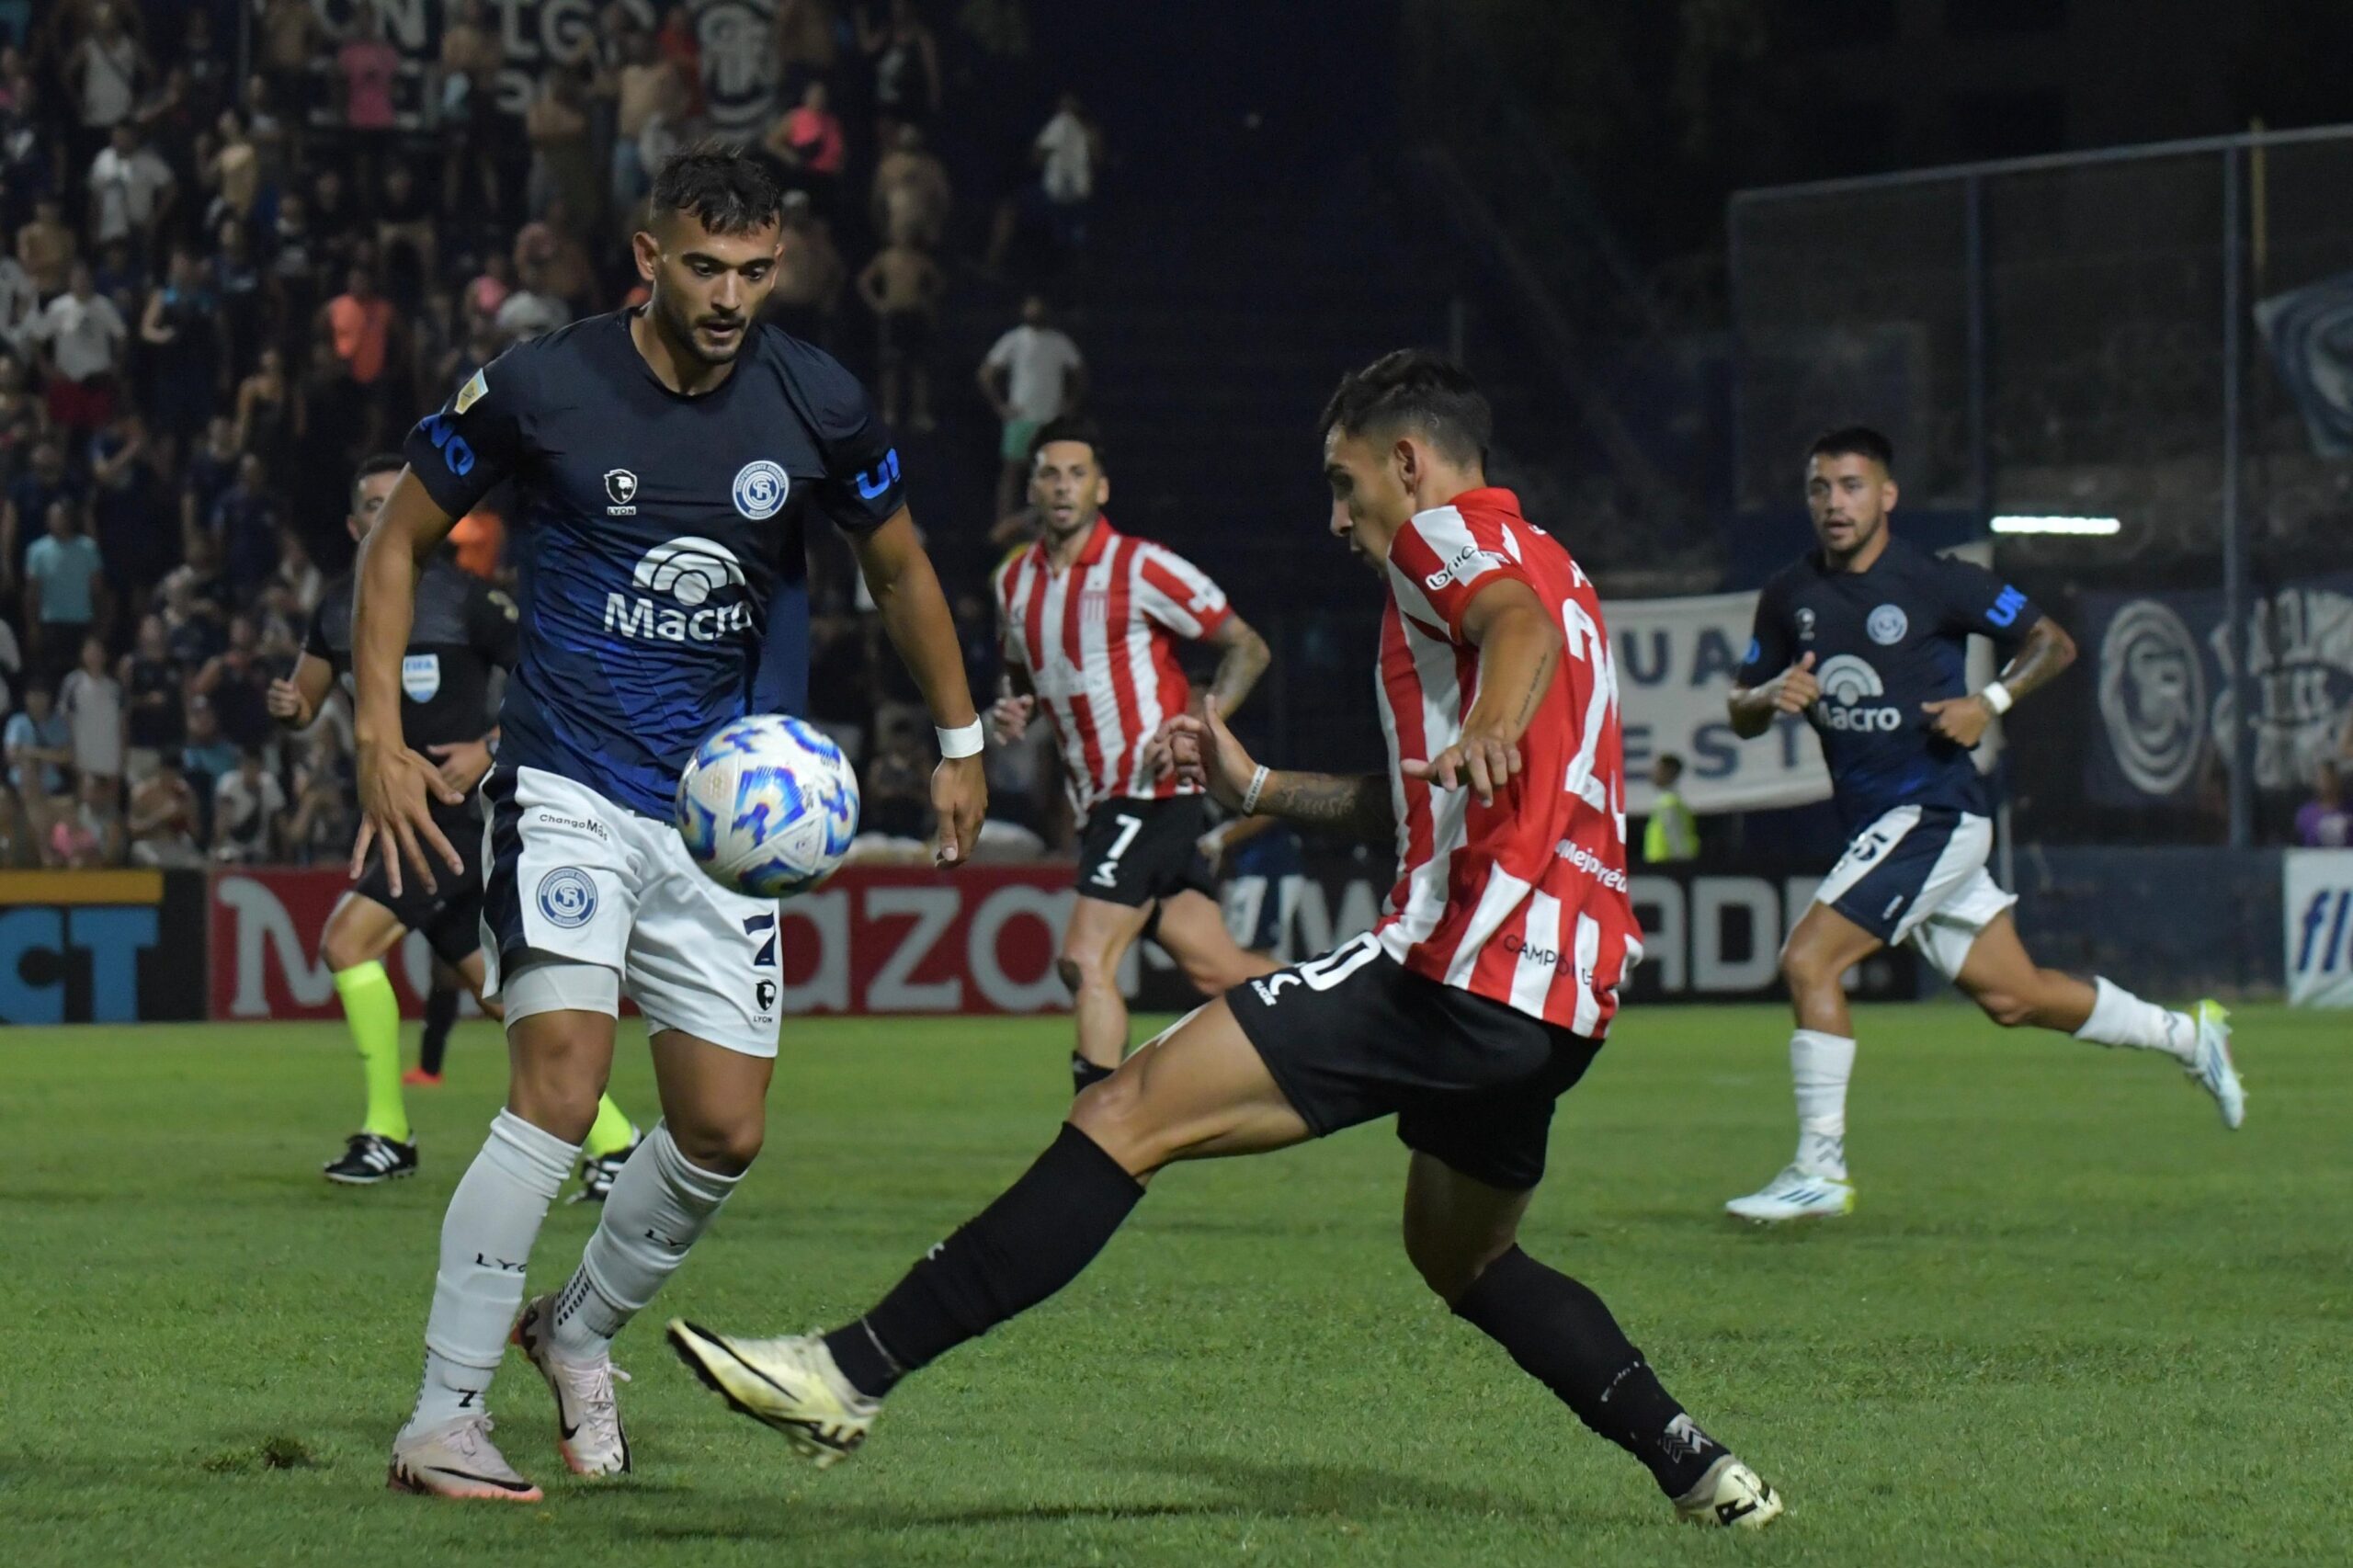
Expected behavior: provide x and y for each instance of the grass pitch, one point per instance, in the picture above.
(2072, 1322)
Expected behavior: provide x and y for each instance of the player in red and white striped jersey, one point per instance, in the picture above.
(1478, 1002)
(1091, 619)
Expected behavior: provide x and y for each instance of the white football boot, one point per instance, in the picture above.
(1798, 1193)
(2210, 1065)
(457, 1459)
(789, 1383)
(587, 1413)
(1732, 1496)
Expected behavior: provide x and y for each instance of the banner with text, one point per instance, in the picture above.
(2317, 899)
(100, 947)
(1676, 660)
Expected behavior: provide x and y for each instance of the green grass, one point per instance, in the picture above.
(2072, 1322)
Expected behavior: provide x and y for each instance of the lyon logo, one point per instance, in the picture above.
(689, 570)
(620, 485)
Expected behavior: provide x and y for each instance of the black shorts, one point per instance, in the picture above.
(1135, 851)
(1354, 1035)
(450, 918)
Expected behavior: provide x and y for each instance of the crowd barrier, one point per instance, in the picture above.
(242, 944)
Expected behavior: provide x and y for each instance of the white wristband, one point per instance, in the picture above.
(1997, 697)
(1250, 796)
(962, 741)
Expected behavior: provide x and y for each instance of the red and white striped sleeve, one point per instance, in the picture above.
(1440, 560)
(1173, 592)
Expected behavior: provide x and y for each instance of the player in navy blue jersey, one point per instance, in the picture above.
(668, 460)
(1866, 637)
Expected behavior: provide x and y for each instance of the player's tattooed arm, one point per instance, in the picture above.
(1355, 804)
(1244, 657)
(2046, 651)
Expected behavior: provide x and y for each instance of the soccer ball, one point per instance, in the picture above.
(768, 806)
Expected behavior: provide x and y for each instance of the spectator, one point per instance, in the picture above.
(265, 407)
(131, 508)
(236, 682)
(232, 174)
(295, 256)
(406, 235)
(211, 468)
(489, 289)
(901, 287)
(650, 98)
(557, 125)
(364, 327)
(1067, 151)
(291, 35)
(46, 248)
(40, 743)
(154, 692)
(82, 337)
(553, 245)
(209, 756)
(189, 375)
(678, 44)
(2322, 822)
(65, 591)
(244, 525)
(530, 312)
(30, 494)
(194, 608)
(167, 123)
(806, 37)
(320, 827)
(24, 422)
(809, 273)
(246, 803)
(1032, 374)
(164, 820)
(810, 139)
(201, 58)
(120, 277)
(267, 130)
(895, 800)
(1673, 832)
(19, 301)
(243, 289)
(336, 226)
(91, 701)
(910, 193)
(367, 65)
(103, 70)
(906, 69)
(467, 98)
(131, 190)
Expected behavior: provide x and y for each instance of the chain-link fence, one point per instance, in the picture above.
(2162, 336)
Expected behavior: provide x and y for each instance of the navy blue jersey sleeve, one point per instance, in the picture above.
(491, 624)
(475, 440)
(1972, 599)
(1768, 638)
(861, 489)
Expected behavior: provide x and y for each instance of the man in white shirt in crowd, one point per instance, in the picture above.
(245, 806)
(131, 188)
(1034, 373)
(91, 701)
(81, 337)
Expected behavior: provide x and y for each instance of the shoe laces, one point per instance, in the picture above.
(591, 1383)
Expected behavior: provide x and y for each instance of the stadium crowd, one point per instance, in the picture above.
(220, 291)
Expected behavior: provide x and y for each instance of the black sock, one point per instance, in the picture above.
(1022, 1248)
(440, 1013)
(1085, 1074)
(1564, 1336)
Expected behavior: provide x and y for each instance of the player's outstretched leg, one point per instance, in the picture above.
(561, 1057)
(1815, 1185)
(665, 1195)
(1099, 935)
(1462, 1236)
(2001, 978)
(1198, 1091)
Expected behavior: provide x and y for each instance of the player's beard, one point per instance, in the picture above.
(681, 329)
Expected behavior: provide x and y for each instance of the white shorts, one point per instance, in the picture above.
(1918, 875)
(568, 873)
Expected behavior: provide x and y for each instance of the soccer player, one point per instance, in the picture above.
(1480, 998)
(668, 459)
(1866, 637)
(1090, 619)
(463, 629)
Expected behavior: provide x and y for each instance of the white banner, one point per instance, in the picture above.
(2316, 896)
(1677, 658)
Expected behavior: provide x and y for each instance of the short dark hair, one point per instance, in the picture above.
(728, 189)
(1070, 428)
(381, 462)
(1854, 441)
(1672, 763)
(1414, 387)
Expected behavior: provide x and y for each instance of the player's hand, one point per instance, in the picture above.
(1009, 717)
(1485, 761)
(393, 784)
(959, 794)
(1206, 754)
(284, 701)
(1961, 719)
(1796, 690)
(463, 763)
(1160, 751)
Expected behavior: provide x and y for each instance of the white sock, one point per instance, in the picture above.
(1819, 1066)
(661, 1203)
(485, 1242)
(2118, 1018)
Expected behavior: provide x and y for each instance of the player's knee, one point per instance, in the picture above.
(1447, 1264)
(1083, 969)
(728, 1147)
(340, 951)
(2008, 1008)
(1112, 1114)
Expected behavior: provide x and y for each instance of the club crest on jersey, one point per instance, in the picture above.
(620, 487)
(760, 487)
(689, 572)
(568, 897)
(1887, 625)
(421, 675)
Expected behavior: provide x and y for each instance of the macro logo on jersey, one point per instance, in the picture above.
(568, 897)
(1888, 624)
(687, 570)
(620, 488)
(2152, 696)
(1846, 682)
(760, 488)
